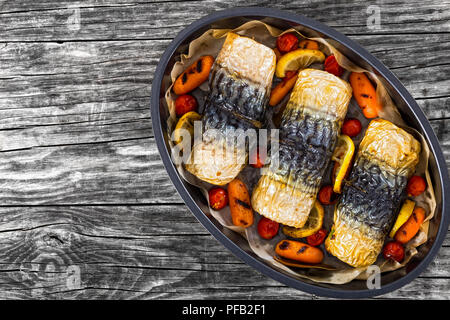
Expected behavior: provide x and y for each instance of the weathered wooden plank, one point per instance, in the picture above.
(128, 171)
(139, 252)
(24, 6)
(117, 252)
(136, 20)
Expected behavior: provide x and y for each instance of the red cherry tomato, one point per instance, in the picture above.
(326, 195)
(394, 250)
(317, 238)
(184, 104)
(416, 185)
(218, 198)
(351, 127)
(332, 66)
(267, 228)
(256, 161)
(287, 42)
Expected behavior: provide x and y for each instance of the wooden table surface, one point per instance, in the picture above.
(87, 208)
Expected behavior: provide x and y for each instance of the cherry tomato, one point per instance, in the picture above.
(256, 161)
(326, 195)
(184, 104)
(218, 198)
(351, 127)
(267, 228)
(287, 42)
(317, 238)
(332, 66)
(416, 185)
(394, 250)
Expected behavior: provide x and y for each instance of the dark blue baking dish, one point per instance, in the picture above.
(409, 109)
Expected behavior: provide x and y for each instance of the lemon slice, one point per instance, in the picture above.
(186, 122)
(312, 225)
(343, 155)
(298, 59)
(405, 212)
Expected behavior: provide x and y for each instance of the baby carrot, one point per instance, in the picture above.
(193, 76)
(365, 94)
(282, 89)
(299, 251)
(240, 207)
(308, 44)
(410, 228)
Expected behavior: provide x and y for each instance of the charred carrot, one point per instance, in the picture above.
(308, 44)
(410, 228)
(299, 251)
(365, 94)
(193, 76)
(240, 207)
(277, 53)
(282, 89)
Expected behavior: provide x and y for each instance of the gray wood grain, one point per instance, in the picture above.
(154, 20)
(86, 207)
(138, 252)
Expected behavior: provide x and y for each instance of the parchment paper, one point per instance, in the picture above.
(209, 44)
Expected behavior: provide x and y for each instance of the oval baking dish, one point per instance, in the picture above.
(410, 112)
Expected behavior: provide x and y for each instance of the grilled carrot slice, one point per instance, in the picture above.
(365, 94)
(299, 251)
(308, 44)
(193, 76)
(282, 89)
(240, 207)
(410, 228)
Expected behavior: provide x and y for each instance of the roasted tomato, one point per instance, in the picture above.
(267, 228)
(256, 161)
(416, 185)
(331, 66)
(327, 195)
(287, 42)
(351, 127)
(218, 198)
(317, 238)
(394, 250)
(184, 104)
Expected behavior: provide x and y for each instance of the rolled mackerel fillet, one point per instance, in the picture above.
(373, 193)
(239, 84)
(309, 130)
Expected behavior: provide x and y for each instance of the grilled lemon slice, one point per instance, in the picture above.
(312, 225)
(405, 212)
(343, 155)
(298, 59)
(186, 122)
